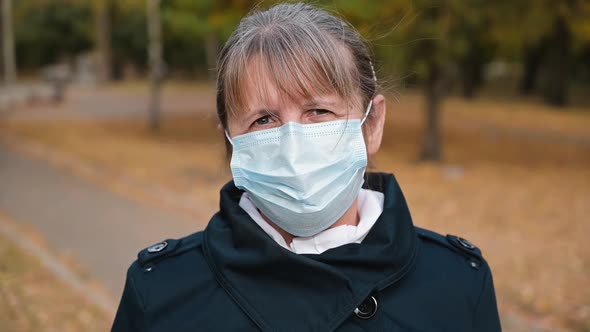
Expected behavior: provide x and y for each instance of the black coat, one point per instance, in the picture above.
(234, 277)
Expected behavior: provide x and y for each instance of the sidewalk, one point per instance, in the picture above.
(103, 230)
(108, 103)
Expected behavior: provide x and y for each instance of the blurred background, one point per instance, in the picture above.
(109, 142)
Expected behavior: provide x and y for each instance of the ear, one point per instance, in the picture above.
(376, 122)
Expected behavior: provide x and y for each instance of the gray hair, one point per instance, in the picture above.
(305, 50)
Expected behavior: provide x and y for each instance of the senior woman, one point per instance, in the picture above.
(305, 239)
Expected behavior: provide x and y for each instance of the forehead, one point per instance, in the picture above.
(283, 72)
(265, 89)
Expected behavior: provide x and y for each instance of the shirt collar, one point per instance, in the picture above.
(370, 206)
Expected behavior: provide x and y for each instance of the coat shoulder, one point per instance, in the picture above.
(167, 269)
(455, 244)
(454, 269)
(168, 249)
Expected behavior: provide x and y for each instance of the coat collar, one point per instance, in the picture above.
(278, 288)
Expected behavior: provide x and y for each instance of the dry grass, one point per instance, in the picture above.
(515, 180)
(32, 299)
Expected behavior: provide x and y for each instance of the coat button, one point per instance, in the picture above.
(474, 263)
(157, 247)
(465, 243)
(367, 309)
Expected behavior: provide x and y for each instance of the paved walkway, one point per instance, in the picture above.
(101, 229)
(103, 103)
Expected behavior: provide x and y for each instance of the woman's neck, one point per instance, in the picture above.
(350, 217)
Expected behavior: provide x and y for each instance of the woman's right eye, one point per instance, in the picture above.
(263, 120)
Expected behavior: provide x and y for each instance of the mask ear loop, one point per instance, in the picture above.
(367, 112)
(228, 138)
(371, 101)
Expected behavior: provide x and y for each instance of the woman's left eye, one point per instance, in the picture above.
(320, 111)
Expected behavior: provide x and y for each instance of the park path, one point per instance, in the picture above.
(114, 103)
(101, 229)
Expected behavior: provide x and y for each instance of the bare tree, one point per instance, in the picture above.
(432, 145)
(8, 43)
(102, 17)
(211, 50)
(155, 61)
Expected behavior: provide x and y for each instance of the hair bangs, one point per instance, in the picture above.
(300, 64)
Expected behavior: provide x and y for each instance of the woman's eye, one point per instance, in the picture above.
(320, 111)
(263, 120)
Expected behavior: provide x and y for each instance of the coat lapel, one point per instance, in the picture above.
(277, 288)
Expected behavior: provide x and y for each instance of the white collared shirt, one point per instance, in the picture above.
(370, 207)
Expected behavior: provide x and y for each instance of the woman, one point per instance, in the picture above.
(305, 240)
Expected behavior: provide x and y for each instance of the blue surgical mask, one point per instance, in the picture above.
(303, 177)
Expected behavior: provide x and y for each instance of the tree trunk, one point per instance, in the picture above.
(472, 77)
(532, 59)
(155, 61)
(8, 43)
(468, 84)
(472, 70)
(103, 39)
(431, 149)
(557, 64)
(211, 47)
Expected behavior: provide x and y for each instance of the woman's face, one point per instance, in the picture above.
(271, 110)
(265, 107)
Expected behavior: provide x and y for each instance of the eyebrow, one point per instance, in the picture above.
(315, 103)
(264, 111)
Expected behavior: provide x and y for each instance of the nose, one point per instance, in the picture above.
(291, 114)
